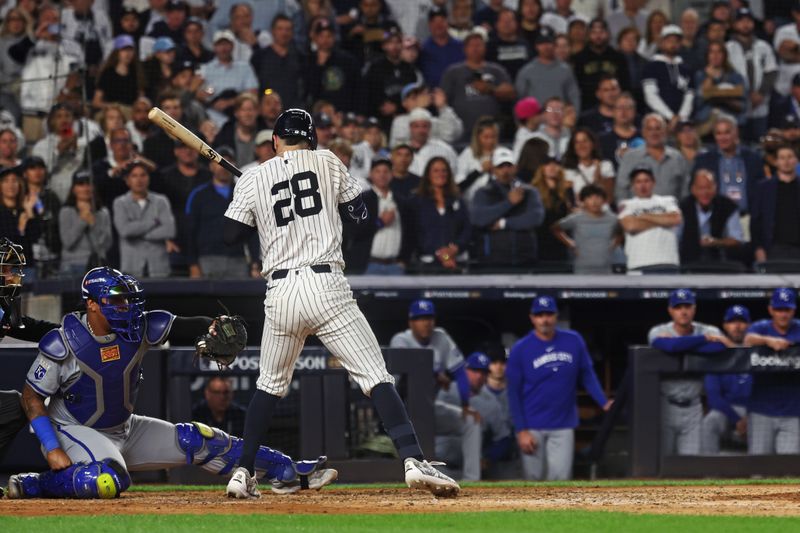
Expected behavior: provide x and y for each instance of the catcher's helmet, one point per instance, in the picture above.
(296, 123)
(12, 263)
(121, 300)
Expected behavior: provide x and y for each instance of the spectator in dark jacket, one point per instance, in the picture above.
(239, 133)
(332, 74)
(506, 213)
(18, 220)
(437, 221)
(775, 222)
(738, 168)
(281, 56)
(596, 60)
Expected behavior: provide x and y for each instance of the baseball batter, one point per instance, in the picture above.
(90, 369)
(297, 201)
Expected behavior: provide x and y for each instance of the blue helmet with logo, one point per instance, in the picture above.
(121, 300)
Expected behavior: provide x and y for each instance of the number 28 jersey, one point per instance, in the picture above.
(293, 201)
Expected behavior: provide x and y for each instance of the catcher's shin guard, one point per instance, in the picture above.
(195, 438)
(104, 479)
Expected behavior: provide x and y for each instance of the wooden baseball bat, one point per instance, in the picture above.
(176, 130)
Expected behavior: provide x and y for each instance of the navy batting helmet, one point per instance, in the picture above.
(296, 123)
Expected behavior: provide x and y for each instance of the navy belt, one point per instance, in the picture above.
(283, 272)
(683, 403)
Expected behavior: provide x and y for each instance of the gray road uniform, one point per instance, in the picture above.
(446, 355)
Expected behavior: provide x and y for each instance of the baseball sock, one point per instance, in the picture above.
(394, 416)
(256, 424)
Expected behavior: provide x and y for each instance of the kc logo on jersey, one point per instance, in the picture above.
(39, 372)
(109, 353)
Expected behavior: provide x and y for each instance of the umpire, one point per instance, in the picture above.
(543, 371)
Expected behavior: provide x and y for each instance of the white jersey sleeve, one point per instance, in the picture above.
(350, 187)
(242, 206)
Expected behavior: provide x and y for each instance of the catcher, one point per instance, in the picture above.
(90, 368)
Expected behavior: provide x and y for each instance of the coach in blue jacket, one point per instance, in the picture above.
(543, 372)
(738, 169)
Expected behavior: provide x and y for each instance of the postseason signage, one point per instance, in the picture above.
(760, 359)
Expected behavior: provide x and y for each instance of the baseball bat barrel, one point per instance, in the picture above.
(176, 130)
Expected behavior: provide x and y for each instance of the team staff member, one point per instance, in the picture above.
(727, 394)
(543, 372)
(681, 407)
(774, 408)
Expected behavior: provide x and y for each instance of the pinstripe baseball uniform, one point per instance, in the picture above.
(293, 201)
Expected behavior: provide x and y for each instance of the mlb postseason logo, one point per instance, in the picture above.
(109, 353)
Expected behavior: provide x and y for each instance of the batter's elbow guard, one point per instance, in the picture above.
(354, 211)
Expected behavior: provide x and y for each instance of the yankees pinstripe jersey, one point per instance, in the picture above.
(293, 200)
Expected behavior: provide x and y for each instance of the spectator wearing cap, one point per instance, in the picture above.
(209, 257)
(445, 126)
(84, 228)
(282, 55)
(598, 62)
(185, 83)
(45, 208)
(477, 87)
(721, 90)
(546, 77)
(18, 221)
(773, 422)
(687, 141)
(145, 225)
(785, 113)
(424, 145)
(681, 405)
(126, 21)
(786, 43)
(553, 129)
(193, 47)
(158, 69)
(87, 23)
(384, 79)
(332, 74)
(650, 222)
(326, 133)
(600, 116)
(121, 78)
(710, 230)
(624, 134)
(737, 167)
(506, 213)
(303, 18)
(440, 50)
(224, 73)
(475, 161)
(630, 13)
(526, 111)
(544, 370)
(403, 183)
(374, 248)
(727, 394)
(775, 222)
(239, 133)
(591, 234)
(506, 46)
(174, 22)
(264, 150)
(667, 83)
(754, 60)
(364, 31)
(62, 149)
(454, 434)
(669, 168)
(370, 148)
(496, 381)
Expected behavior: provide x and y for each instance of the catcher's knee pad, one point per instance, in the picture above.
(102, 479)
(195, 437)
(275, 464)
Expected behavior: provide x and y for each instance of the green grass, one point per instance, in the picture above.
(549, 521)
(516, 484)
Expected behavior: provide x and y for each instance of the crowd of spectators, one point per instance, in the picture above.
(488, 135)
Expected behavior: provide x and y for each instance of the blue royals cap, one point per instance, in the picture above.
(420, 308)
(681, 297)
(783, 298)
(737, 312)
(544, 304)
(478, 361)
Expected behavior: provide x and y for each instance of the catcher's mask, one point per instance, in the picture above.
(121, 300)
(12, 264)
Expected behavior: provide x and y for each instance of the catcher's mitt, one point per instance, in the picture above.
(226, 337)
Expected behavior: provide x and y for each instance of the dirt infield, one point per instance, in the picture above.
(772, 500)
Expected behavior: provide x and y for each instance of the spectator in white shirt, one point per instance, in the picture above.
(446, 126)
(475, 161)
(426, 148)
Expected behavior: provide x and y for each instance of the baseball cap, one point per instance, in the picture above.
(411, 88)
(391, 32)
(350, 118)
(263, 136)
(224, 35)
(372, 122)
(80, 177)
(478, 361)
(783, 298)
(737, 312)
(419, 113)
(671, 29)
(123, 41)
(322, 120)
(33, 161)
(437, 11)
(544, 304)
(178, 5)
(477, 31)
(546, 35)
(226, 151)
(526, 108)
(322, 25)
(164, 44)
(682, 297)
(421, 308)
(381, 161)
(193, 20)
(502, 156)
(744, 12)
(180, 66)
